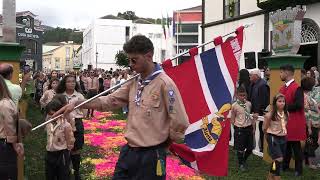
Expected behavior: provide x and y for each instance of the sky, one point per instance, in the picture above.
(80, 13)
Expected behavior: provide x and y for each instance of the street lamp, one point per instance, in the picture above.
(97, 56)
(97, 60)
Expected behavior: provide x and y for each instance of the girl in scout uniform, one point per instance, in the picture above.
(244, 127)
(50, 93)
(70, 89)
(60, 141)
(9, 148)
(274, 126)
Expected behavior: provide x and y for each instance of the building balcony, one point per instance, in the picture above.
(272, 5)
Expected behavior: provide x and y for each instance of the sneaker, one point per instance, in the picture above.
(242, 168)
(297, 174)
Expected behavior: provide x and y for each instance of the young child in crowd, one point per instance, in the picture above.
(244, 127)
(274, 127)
(69, 88)
(60, 141)
(50, 93)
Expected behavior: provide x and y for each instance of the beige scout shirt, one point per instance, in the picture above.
(84, 80)
(92, 83)
(76, 96)
(240, 117)
(46, 85)
(47, 97)
(59, 136)
(157, 118)
(277, 127)
(8, 123)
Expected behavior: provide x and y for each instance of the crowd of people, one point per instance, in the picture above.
(293, 115)
(50, 92)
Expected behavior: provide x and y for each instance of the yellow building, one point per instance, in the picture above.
(59, 57)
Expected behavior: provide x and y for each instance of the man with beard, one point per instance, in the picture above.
(296, 126)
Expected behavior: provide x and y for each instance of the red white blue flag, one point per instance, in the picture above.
(207, 85)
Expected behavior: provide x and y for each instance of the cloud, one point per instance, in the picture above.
(80, 13)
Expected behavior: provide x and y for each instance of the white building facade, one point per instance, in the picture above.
(104, 38)
(220, 19)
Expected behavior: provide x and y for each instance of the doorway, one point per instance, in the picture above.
(310, 33)
(312, 51)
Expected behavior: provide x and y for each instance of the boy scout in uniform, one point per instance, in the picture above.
(244, 127)
(60, 141)
(156, 114)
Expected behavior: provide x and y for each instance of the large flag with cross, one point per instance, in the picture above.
(207, 84)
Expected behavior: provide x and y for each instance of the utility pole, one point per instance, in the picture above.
(9, 21)
(97, 56)
(9, 37)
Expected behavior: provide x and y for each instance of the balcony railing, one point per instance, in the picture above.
(272, 5)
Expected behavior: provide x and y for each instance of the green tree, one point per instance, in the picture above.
(62, 34)
(122, 59)
(128, 15)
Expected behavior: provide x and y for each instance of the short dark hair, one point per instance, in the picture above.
(54, 105)
(138, 44)
(241, 89)
(6, 72)
(307, 83)
(61, 98)
(287, 67)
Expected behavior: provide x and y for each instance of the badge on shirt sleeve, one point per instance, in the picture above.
(171, 96)
(171, 99)
(171, 110)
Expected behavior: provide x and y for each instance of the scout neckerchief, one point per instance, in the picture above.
(157, 70)
(283, 123)
(52, 127)
(246, 112)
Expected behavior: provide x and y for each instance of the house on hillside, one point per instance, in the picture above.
(59, 58)
(104, 37)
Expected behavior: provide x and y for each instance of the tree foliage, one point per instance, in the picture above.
(128, 15)
(62, 34)
(131, 15)
(122, 59)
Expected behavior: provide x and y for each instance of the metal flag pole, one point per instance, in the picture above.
(201, 45)
(120, 84)
(88, 100)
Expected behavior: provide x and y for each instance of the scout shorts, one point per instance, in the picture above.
(276, 145)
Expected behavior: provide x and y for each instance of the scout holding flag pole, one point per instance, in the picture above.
(134, 77)
(156, 118)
